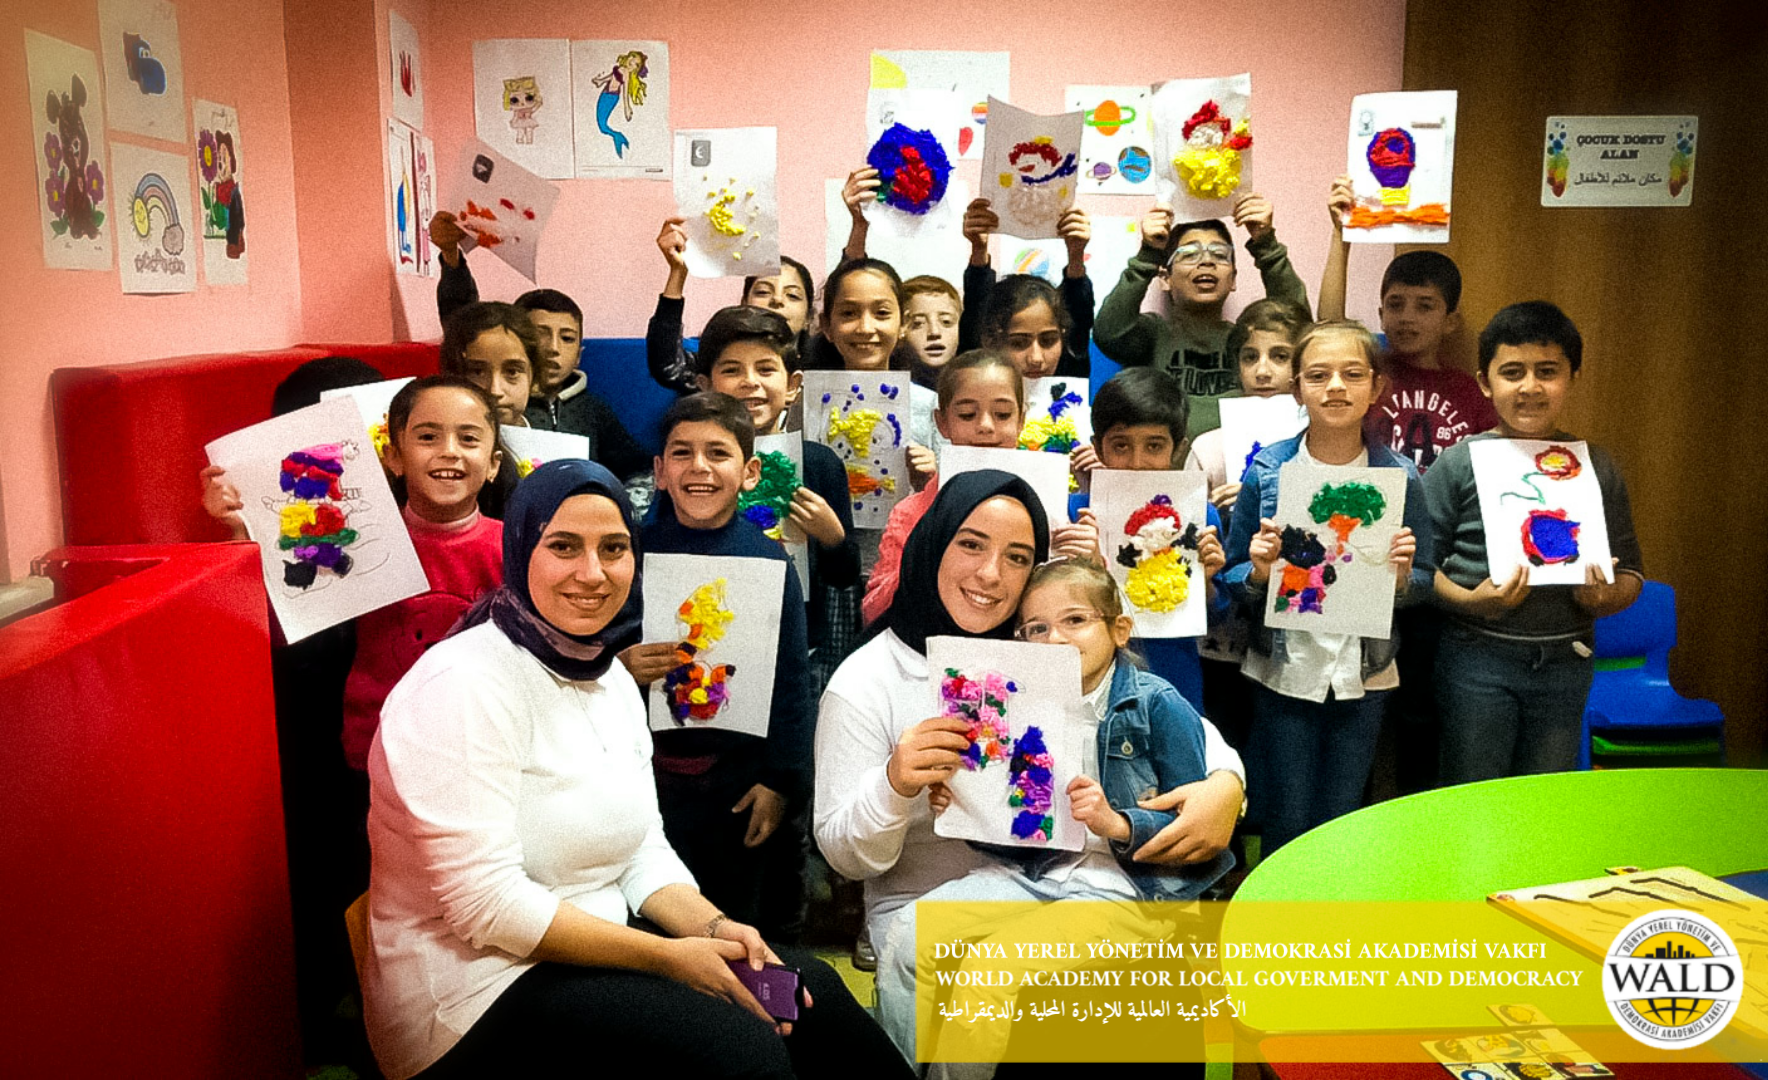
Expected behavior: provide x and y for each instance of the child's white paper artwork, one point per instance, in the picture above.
(620, 109)
(156, 245)
(1057, 416)
(501, 206)
(724, 187)
(1149, 523)
(1203, 142)
(769, 502)
(913, 147)
(1541, 507)
(408, 70)
(1030, 168)
(864, 417)
(723, 615)
(1046, 473)
(220, 179)
(143, 69)
(333, 542)
(1402, 167)
(973, 77)
(73, 163)
(372, 401)
(522, 103)
(1116, 156)
(530, 448)
(402, 177)
(1249, 424)
(1021, 704)
(1333, 575)
(423, 171)
(1114, 242)
(933, 244)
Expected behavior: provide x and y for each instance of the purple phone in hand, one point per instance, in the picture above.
(775, 986)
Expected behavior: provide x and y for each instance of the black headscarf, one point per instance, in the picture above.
(916, 613)
(536, 499)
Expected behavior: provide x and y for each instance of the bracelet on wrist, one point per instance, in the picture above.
(714, 923)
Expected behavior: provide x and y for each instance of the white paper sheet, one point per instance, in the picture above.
(161, 227)
(531, 448)
(1116, 156)
(933, 244)
(372, 401)
(1030, 168)
(522, 103)
(731, 630)
(407, 69)
(864, 417)
(1402, 167)
(405, 226)
(724, 187)
(911, 143)
(622, 87)
(772, 519)
(1020, 699)
(1148, 524)
(1249, 424)
(143, 68)
(220, 177)
(1057, 408)
(1546, 491)
(1114, 242)
(973, 76)
(1046, 473)
(1175, 103)
(326, 575)
(1325, 583)
(73, 159)
(502, 206)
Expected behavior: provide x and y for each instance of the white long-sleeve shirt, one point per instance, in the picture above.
(500, 791)
(865, 829)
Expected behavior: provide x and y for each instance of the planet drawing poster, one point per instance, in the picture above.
(333, 543)
(1249, 424)
(620, 109)
(220, 178)
(1030, 168)
(1116, 155)
(1542, 508)
(143, 67)
(501, 206)
(1203, 143)
(1402, 167)
(1149, 531)
(723, 615)
(768, 505)
(73, 157)
(973, 77)
(1333, 574)
(522, 103)
(864, 417)
(160, 230)
(1020, 705)
(1046, 473)
(724, 187)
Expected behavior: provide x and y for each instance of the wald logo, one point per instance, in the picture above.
(1673, 979)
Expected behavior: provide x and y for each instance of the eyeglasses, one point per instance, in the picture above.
(1323, 376)
(1198, 254)
(1070, 624)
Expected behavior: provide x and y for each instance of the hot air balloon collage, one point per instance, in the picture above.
(1542, 508)
(1402, 167)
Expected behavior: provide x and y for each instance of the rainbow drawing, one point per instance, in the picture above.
(152, 194)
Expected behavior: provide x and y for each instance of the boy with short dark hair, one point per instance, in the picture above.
(1196, 262)
(723, 792)
(1515, 667)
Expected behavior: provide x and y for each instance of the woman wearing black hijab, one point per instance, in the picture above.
(514, 825)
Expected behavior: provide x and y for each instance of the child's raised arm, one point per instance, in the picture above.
(1332, 282)
(456, 288)
(861, 188)
(222, 501)
(669, 362)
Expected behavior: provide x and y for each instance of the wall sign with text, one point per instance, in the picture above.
(1619, 161)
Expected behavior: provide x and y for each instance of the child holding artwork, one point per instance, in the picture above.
(1262, 344)
(1043, 330)
(725, 793)
(1195, 260)
(1317, 701)
(1515, 665)
(981, 403)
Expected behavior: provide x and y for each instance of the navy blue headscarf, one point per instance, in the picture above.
(535, 500)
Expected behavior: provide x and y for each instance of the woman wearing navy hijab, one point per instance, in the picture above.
(514, 825)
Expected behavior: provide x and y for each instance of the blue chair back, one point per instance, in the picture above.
(1645, 629)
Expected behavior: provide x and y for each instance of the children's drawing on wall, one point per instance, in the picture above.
(769, 503)
(1030, 168)
(1115, 158)
(723, 615)
(1149, 523)
(222, 193)
(1203, 139)
(1333, 574)
(423, 174)
(530, 448)
(402, 174)
(724, 187)
(1402, 165)
(863, 417)
(501, 206)
(1046, 473)
(1542, 509)
(521, 102)
(408, 71)
(331, 539)
(72, 210)
(620, 108)
(1022, 740)
(154, 239)
(1249, 424)
(143, 69)
(971, 77)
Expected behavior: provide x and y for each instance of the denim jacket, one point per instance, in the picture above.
(1258, 500)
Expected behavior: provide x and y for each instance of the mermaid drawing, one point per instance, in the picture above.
(625, 85)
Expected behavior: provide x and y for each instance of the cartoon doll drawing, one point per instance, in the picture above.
(625, 85)
(521, 98)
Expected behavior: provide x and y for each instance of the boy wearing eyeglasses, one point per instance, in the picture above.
(1196, 262)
